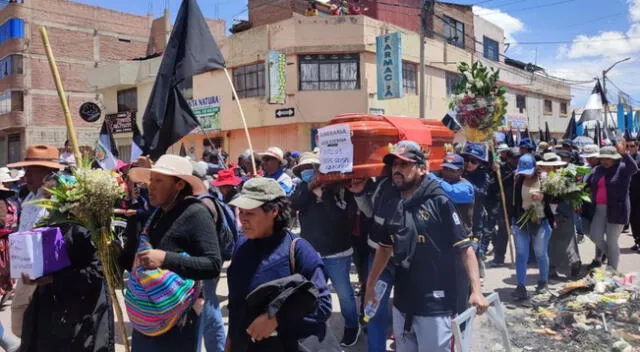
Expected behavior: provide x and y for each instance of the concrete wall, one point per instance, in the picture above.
(483, 28)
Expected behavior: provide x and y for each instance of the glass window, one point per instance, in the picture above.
(548, 106)
(454, 32)
(521, 102)
(452, 81)
(563, 108)
(9, 65)
(329, 72)
(491, 49)
(409, 77)
(128, 100)
(13, 148)
(11, 101)
(249, 80)
(12, 28)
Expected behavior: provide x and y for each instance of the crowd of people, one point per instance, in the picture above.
(291, 237)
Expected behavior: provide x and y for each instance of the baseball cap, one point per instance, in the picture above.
(527, 144)
(590, 151)
(408, 151)
(453, 162)
(476, 150)
(256, 192)
(526, 165)
(503, 147)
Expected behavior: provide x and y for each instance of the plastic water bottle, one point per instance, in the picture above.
(372, 307)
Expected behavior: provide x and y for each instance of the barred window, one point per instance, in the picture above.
(329, 72)
(409, 77)
(249, 80)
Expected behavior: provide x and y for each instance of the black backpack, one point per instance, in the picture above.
(225, 224)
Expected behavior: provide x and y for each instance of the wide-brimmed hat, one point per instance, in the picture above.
(590, 151)
(609, 152)
(170, 165)
(256, 192)
(476, 150)
(274, 152)
(226, 177)
(306, 159)
(40, 155)
(551, 159)
(5, 176)
(8, 175)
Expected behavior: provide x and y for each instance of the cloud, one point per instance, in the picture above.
(511, 25)
(634, 10)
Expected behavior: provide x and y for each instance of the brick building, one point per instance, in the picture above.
(82, 37)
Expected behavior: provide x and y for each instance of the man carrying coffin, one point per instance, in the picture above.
(39, 164)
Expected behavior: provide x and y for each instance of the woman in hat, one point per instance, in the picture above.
(267, 252)
(609, 184)
(8, 224)
(536, 230)
(563, 247)
(183, 239)
(227, 184)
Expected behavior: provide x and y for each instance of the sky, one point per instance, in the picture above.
(572, 39)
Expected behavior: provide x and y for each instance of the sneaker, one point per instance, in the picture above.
(496, 264)
(636, 247)
(520, 293)
(350, 337)
(542, 286)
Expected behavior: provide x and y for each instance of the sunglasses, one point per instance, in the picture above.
(471, 161)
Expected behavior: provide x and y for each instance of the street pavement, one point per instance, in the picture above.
(501, 280)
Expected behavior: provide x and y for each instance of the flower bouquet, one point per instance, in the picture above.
(562, 184)
(479, 103)
(531, 215)
(87, 198)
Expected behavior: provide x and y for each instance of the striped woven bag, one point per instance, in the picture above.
(156, 299)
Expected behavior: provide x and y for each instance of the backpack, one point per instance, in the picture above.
(225, 224)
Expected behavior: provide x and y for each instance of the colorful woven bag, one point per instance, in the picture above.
(156, 299)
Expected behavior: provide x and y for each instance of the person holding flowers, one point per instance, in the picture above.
(531, 225)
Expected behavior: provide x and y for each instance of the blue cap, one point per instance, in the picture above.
(295, 154)
(476, 150)
(453, 162)
(527, 144)
(526, 165)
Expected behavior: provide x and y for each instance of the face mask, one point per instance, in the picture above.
(307, 175)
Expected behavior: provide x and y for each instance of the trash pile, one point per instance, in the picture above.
(598, 313)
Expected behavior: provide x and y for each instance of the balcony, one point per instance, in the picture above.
(124, 74)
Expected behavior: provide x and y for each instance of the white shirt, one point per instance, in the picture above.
(32, 213)
(68, 158)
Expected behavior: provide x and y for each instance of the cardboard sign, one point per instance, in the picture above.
(336, 149)
(25, 252)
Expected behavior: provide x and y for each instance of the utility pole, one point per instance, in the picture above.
(426, 12)
(604, 91)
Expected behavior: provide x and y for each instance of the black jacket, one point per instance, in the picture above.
(327, 223)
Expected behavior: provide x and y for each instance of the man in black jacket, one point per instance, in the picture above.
(327, 216)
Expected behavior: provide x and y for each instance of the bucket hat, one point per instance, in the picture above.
(40, 155)
(551, 159)
(170, 165)
(306, 159)
(226, 177)
(609, 152)
(256, 192)
(590, 151)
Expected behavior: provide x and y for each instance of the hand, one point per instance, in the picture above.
(39, 282)
(537, 196)
(262, 327)
(125, 212)
(477, 300)
(152, 259)
(369, 294)
(357, 185)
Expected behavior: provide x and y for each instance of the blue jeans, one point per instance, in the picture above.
(540, 240)
(338, 270)
(211, 325)
(377, 326)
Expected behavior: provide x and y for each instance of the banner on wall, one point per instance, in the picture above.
(207, 110)
(277, 65)
(389, 66)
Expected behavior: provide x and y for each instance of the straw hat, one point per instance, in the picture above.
(7, 175)
(306, 159)
(170, 165)
(40, 155)
(551, 159)
(609, 153)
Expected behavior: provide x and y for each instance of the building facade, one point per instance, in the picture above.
(326, 66)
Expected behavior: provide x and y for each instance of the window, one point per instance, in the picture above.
(249, 80)
(9, 65)
(548, 107)
(11, 101)
(563, 108)
(452, 81)
(409, 76)
(14, 147)
(329, 72)
(12, 28)
(454, 32)
(491, 49)
(128, 100)
(521, 103)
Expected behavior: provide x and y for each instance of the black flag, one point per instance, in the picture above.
(183, 150)
(572, 128)
(597, 137)
(547, 132)
(541, 134)
(595, 105)
(191, 50)
(586, 132)
(449, 120)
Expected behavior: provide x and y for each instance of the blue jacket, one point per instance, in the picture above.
(259, 261)
(459, 192)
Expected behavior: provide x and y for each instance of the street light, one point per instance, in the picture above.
(604, 73)
(604, 89)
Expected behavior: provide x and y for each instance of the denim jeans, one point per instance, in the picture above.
(211, 324)
(377, 326)
(540, 240)
(338, 270)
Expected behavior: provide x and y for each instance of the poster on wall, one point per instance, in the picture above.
(517, 121)
(207, 110)
(389, 66)
(336, 149)
(121, 122)
(277, 65)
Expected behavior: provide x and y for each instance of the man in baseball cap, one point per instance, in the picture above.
(458, 189)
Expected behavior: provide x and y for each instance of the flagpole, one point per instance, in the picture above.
(244, 121)
(61, 94)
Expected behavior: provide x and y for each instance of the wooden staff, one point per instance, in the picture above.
(504, 205)
(71, 132)
(244, 121)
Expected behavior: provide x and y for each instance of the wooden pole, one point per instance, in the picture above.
(71, 132)
(244, 121)
(504, 205)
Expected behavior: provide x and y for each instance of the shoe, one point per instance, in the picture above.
(636, 247)
(350, 337)
(520, 293)
(594, 264)
(553, 275)
(542, 286)
(496, 264)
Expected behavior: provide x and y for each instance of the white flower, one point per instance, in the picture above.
(481, 102)
(471, 95)
(479, 83)
(468, 75)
